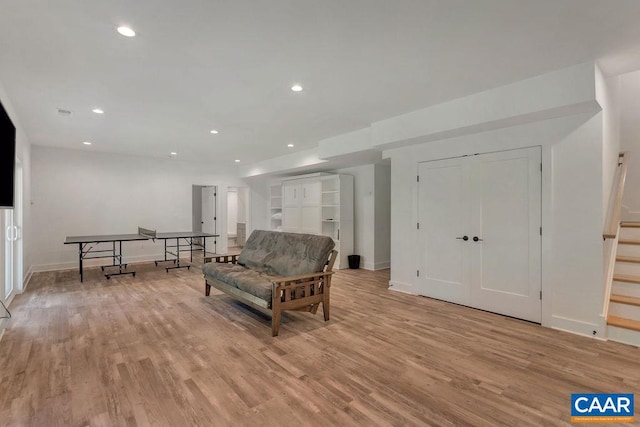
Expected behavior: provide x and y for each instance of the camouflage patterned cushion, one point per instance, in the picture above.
(285, 254)
(251, 281)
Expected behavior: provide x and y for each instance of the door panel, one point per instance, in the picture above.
(311, 221)
(208, 209)
(311, 193)
(291, 219)
(290, 194)
(506, 216)
(443, 217)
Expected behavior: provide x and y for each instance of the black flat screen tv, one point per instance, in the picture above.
(7, 159)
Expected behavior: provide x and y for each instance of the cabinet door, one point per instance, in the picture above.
(311, 193)
(311, 222)
(290, 194)
(291, 219)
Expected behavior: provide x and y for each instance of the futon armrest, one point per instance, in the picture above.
(282, 281)
(302, 292)
(226, 259)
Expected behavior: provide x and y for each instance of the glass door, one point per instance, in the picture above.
(13, 241)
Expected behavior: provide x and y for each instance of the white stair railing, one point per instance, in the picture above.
(611, 233)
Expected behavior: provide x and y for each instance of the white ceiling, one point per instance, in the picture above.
(228, 64)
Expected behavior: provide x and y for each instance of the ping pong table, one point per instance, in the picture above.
(89, 248)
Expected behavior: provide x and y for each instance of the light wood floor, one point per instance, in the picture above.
(153, 350)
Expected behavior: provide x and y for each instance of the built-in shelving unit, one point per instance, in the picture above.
(275, 206)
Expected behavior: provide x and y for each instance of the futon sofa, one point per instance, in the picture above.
(276, 271)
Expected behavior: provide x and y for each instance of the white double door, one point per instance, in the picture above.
(479, 231)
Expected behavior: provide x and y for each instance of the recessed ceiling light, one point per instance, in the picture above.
(86, 143)
(290, 145)
(237, 161)
(126, 31)
(98, 111)
(173, 153)
(213, 131)
(296, 88)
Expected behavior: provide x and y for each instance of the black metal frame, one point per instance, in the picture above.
(86, 245)
(114, 255)
(189, 244)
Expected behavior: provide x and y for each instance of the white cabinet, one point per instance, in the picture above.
(301, 206)
(318, 204)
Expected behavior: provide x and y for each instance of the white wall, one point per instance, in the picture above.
(608, 96)
(364, 213)
(81, 192)
(242, 204)
(382, 227)
(23, 153)
(630, 141)
(258, 195)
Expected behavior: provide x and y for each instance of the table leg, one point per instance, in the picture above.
(80, 261)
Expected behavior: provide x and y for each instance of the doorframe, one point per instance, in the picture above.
(216, 206)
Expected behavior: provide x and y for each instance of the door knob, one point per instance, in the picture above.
(477, 239)
(465, 238)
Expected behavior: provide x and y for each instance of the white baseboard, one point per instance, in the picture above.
(382, 265)
(406, 288)
(578, 327)
(69, 265)
(27, 278)
(625, 336)
(377, 266)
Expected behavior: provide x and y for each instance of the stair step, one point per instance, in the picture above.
(623, 258)
(630, 224)
(625, 278)
(628, 242)
(624, 323)
(624, 299)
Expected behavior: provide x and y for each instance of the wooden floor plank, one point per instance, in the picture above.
(153, 350)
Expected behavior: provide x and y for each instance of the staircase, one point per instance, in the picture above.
(623, 320)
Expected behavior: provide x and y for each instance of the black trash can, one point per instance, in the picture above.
(354, 261)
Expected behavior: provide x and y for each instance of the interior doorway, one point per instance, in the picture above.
(237, 214)
(204, 212)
